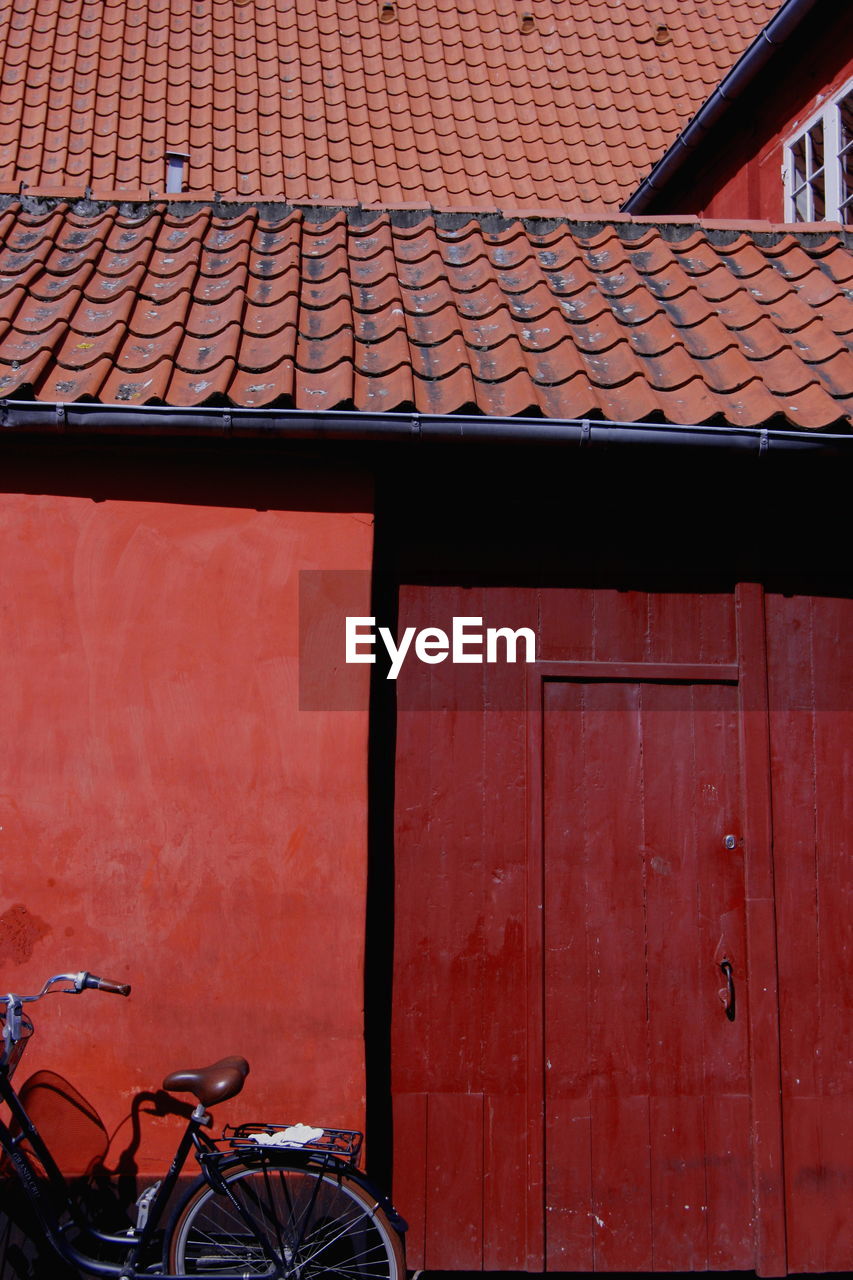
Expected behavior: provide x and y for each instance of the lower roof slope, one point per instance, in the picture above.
(621, 319)
(451, 103)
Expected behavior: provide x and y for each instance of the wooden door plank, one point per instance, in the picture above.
(618, 1067)
(678, 1182)
(410, 1163)
(505, 1024)
(721, 935)
(621, 624)
(678, 982)
(791, 696)
(687, 626)
(569, 1218)
(536, 983)
(569, 1222)
(731, 1213)
(566, 623)
(836, 1145)
(762, 975)
(454, 1193)
(504, 1181)
(622, 1194)
(833, 753)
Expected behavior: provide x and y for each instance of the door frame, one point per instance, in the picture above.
(749, 674)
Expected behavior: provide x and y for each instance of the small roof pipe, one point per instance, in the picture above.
(176, 166)
(732, 87)
(24, 416)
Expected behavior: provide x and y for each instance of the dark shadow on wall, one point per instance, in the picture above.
(271, 476)
(379, 924)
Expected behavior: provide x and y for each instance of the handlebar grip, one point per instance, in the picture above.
(102, 984)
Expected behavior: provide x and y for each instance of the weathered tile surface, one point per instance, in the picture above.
(619, 318)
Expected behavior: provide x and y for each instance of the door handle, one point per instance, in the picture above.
(727, 993)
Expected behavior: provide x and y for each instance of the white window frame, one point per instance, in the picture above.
(838, 203)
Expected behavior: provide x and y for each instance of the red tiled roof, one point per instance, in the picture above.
(621, 319)
(448, 103)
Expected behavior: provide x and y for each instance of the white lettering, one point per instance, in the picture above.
(511, 637)
(355, 638)
(432, 645)
(397, 655)
(461, 638)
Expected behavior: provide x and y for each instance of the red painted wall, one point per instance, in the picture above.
(169, 816)
(737, 171)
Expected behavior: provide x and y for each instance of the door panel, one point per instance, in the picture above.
(642, 902)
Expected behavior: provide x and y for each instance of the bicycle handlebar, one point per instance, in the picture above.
(16, 1027)
(103, 984)
(79, 982)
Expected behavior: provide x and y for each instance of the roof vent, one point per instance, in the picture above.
(176, 167)
(525, 22)
(663, 35)
(387, 11)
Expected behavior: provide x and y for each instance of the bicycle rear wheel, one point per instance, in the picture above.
(284, 1221)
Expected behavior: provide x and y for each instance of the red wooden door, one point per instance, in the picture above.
(647, 1090)
(568, 1090)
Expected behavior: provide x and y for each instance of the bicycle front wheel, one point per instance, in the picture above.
(283, 1221)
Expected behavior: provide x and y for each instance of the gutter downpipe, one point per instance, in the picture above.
(21, 417)
(724, 97)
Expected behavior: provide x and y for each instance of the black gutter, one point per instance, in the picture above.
(724, 97)
(19, 417)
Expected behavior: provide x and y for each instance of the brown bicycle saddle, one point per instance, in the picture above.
(223, 1080)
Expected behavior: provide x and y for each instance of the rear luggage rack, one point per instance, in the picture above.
(340, 1144)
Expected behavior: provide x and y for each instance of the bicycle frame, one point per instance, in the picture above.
(132, 1245)
(135, 1241)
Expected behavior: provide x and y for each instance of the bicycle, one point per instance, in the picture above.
(278, 1201)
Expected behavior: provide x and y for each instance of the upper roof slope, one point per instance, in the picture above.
(557, 105)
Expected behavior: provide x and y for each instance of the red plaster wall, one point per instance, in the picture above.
(169, 816)
(738, 171)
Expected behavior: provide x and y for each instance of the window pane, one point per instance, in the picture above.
(845, 108)
(798, 160)
(816, 158)
(802, 213)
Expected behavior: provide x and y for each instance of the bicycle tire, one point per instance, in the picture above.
(316, 1224)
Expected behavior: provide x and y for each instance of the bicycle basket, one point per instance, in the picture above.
(13, 1048)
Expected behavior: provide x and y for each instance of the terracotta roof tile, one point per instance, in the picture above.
(321, 101)
(622, 319)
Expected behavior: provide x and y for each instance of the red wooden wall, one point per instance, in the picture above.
(810, 668)
(168, 815)
(568, 1090)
